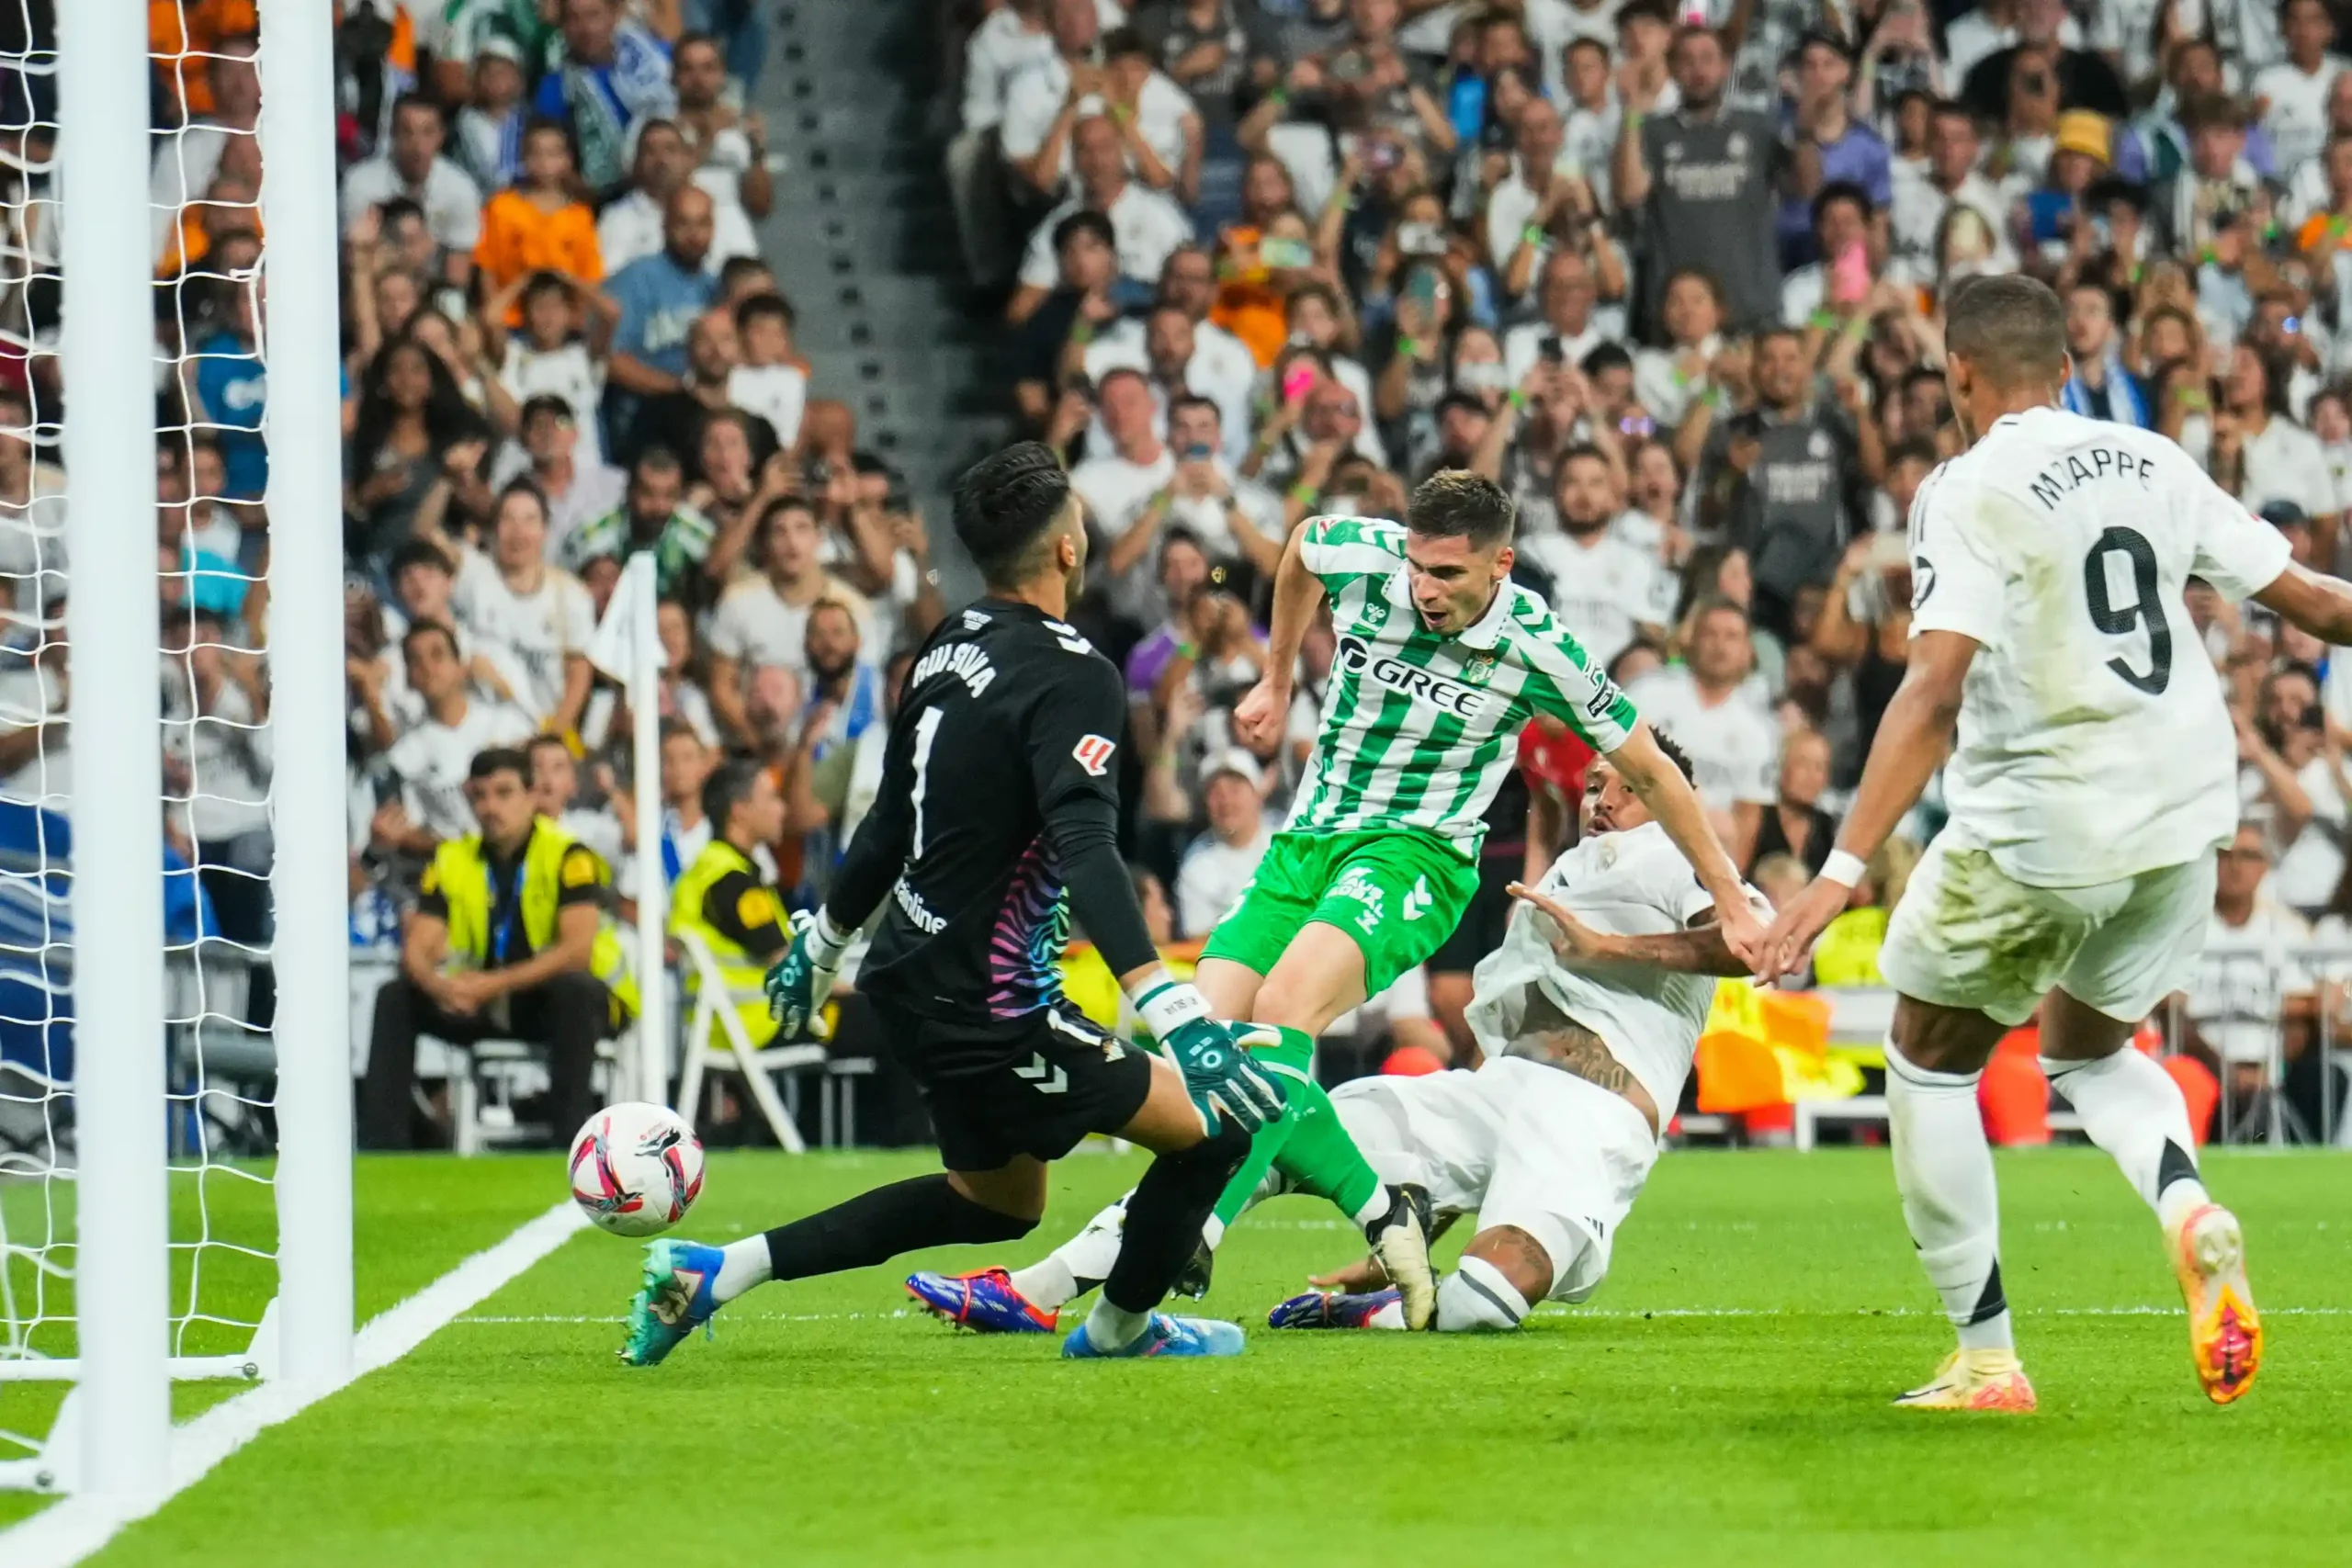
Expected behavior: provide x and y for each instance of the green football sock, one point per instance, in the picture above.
(1319, 1157)
(1292, 1063)
(1308, 1148)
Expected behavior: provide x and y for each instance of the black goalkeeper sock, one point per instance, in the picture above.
(876, 1226)
(1165, 1214)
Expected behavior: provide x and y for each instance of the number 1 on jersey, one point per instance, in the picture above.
(926, 731)
(2117, 620)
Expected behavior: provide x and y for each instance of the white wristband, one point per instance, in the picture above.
(827, 942)
(1167, 1004)
(1843, 869)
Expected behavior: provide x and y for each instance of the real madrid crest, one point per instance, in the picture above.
(1736, 145)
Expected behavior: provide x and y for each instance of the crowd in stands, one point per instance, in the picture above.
(1670, 276)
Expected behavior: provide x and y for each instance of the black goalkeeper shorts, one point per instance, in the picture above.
(1049, 1086)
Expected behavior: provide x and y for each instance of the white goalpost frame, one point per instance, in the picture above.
(112, 1439)
(652, 1068)
(113, 627)
(311, 944)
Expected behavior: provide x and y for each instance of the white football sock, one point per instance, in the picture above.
(1376, 1207)
(1943, 1168)
(1078, 1265)
(1113, 1328)
(747, 1263)
(1476, 1295)
(2130, 1108)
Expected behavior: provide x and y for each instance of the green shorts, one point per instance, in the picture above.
(1396, 894)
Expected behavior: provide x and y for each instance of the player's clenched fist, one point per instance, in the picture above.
(1259, 716)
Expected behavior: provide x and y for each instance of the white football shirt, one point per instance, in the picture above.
(536, 631)
(1630, 884)
(2093, 741)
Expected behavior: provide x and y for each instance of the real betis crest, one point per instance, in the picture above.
(1478, 668)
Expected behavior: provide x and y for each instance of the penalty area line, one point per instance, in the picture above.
(73, 1528)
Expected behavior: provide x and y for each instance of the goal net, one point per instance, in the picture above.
(112, 629)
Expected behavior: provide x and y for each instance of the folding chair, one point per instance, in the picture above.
(714, 1006)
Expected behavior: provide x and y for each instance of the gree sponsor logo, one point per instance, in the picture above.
(1361, 658)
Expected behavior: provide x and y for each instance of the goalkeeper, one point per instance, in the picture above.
(997, 799)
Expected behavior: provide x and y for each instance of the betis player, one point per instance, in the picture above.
(1441, 661)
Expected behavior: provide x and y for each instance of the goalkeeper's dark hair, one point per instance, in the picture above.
(2010, 327)
(729, 786)
(1454, 503)
(1006, 506)
(1674, 753)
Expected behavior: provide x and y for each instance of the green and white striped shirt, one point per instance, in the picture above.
(1419, 730)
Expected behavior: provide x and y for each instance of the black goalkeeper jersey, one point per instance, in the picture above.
(999, 774)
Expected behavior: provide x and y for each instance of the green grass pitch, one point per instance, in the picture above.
(1722, 1400)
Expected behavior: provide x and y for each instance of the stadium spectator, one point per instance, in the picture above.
(2254, 1002)
(532, 615)
(685, 827)
(634, 224)
(762, 621)
(770, 379)
(731, 143)
(1221, 862)
(494, 115)
(658, 298)
(414, 432)
(1145, 227)
(1796, 825)
(1708, 709)
(610, 78)
(677, 418)
(186, 161)
(688, 551)
(428, 763)
(416, 171)
(509, 937)
(1603, 589)
(538, 223)
(1706, 179)
(1775, 477)
(578, 486)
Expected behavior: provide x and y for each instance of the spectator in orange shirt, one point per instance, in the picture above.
(180, 33)
(540, 223)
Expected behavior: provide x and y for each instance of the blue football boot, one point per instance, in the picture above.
(674, 1299)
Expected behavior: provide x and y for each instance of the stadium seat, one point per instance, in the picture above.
(714, 1008)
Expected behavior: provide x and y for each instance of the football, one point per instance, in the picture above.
(636, 1169)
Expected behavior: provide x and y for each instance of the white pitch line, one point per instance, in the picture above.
(68, 1531)
(1549, 1309)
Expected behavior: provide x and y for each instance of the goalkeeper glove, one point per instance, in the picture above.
(804, 976)
(1212, 1054)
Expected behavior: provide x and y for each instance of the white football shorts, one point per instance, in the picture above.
(1518, 1143)
(1966, 935)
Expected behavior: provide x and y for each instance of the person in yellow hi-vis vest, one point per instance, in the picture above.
(509, 939)
(724, 898)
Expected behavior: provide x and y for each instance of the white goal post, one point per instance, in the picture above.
(107, 1197)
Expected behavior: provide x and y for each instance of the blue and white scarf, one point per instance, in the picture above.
(2124, 403)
